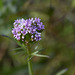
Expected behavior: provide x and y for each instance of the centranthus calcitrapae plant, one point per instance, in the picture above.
(26, 32)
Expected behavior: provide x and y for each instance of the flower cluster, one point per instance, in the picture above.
(33, 27)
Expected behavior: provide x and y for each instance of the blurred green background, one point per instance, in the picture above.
(58, 38)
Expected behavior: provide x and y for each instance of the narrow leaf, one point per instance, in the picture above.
(16, 49)
(40, 55)
(18, 53)
(62, 72)
(30, 58)
(27, 56)
(6, 36)
(38, 51)
(42, 49)
(35, 52)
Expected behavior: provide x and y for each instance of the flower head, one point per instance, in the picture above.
(29, 27)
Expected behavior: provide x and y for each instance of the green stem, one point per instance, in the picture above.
(29, 62)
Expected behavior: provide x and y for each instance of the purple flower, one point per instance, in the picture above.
(33, 31)
(31, 26)
(37, 36)
(14, 31)
(37, 20)
(17, 36)
(24, 32)
(18, 29)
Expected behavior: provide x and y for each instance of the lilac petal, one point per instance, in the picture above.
(14, 31)
(23, 32)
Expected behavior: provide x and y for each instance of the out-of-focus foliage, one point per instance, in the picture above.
(58, 38)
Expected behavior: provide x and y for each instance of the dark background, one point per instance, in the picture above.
(58, 38)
